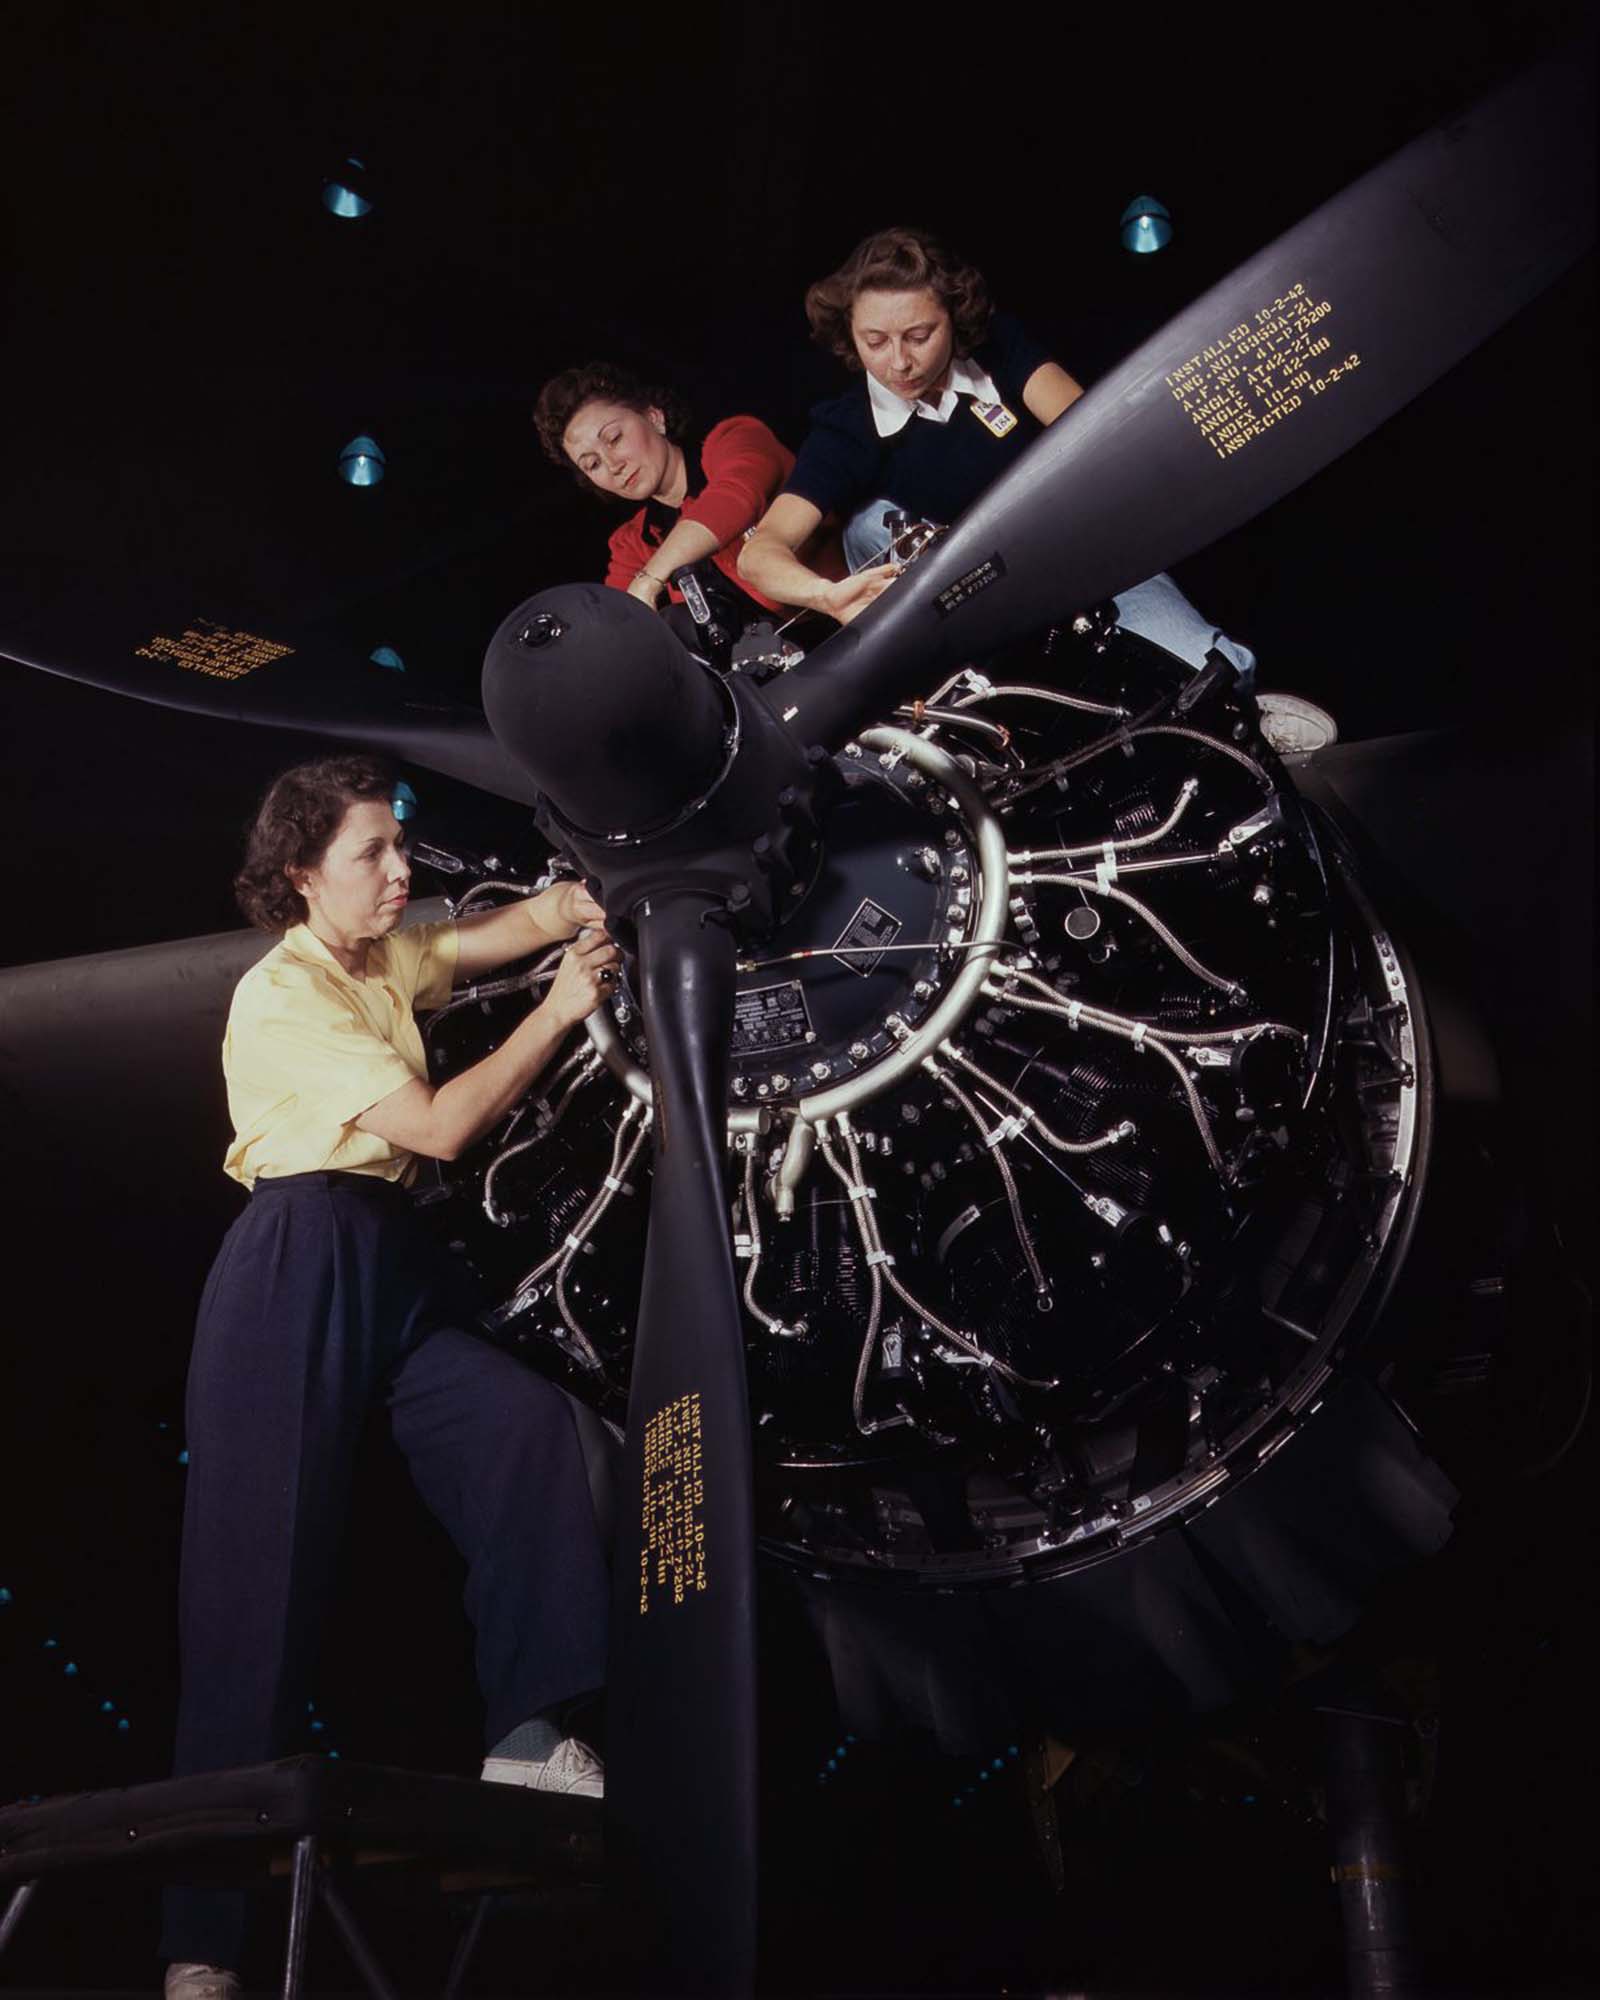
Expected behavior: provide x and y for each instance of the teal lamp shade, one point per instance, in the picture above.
(362, 462)
(386, 656)
(1146, 226)
(344, 193)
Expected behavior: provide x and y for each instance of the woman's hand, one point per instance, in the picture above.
(647, 588)
(491, 938)
(846, 599)
(586, 975)
(564, 908)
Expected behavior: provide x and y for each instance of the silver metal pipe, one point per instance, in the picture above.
(1078, 1013)
(1126, 843)
(1091, 885)
(1055, 695)
(1112, 1136)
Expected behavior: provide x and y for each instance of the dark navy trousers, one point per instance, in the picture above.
(328, 1297)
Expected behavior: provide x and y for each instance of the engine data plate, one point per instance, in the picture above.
(860, 946)
(767, 1018)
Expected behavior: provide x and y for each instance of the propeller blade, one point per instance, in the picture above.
(681, 1768)
(276, 680)
(1270, 376)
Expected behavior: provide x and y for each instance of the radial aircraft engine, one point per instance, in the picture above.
(980, 1191)
(1077, 1108)
(985, 1186)
(1038, 1105)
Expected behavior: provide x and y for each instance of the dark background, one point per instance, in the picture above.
(189, 338)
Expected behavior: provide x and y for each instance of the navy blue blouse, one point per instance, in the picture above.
(934, 471)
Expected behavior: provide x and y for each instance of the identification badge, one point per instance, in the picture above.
(996, 419)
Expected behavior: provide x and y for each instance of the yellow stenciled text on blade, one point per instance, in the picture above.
(1260, 372)
(219, 653)
(672, 1555)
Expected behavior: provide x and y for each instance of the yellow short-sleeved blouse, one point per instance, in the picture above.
(309, 1048)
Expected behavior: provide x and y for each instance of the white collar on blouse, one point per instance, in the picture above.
(891, 413)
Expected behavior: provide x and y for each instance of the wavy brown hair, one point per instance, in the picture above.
(564, 395)
(302, 811)
(898, 260)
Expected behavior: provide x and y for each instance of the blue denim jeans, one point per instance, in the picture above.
(1158, 611)
(866, 539)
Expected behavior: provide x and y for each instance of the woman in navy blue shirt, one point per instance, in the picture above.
(952, 394)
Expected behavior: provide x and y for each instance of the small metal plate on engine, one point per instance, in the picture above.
(860, 944)
(770, 1017)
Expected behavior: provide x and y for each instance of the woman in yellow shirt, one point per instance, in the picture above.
(325, 1301)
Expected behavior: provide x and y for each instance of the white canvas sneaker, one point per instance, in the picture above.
(187, 1981)
(1294, 726)
(571, 1767)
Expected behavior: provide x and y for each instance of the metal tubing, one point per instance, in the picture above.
(21, 1896)
(302, 1893)
(354, 1943)
(468, 1945)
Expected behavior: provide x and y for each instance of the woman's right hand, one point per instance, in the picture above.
(586, 975)
(852, 594)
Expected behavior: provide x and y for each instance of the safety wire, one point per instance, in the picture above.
(843, 951)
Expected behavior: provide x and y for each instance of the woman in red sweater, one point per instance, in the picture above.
(696, 496)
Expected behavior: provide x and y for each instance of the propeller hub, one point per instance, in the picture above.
(658, 774)
(616, 723)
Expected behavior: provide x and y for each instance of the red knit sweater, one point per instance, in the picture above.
(745, 466)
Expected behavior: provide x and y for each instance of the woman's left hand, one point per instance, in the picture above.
(565, 908)
(648, 589)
